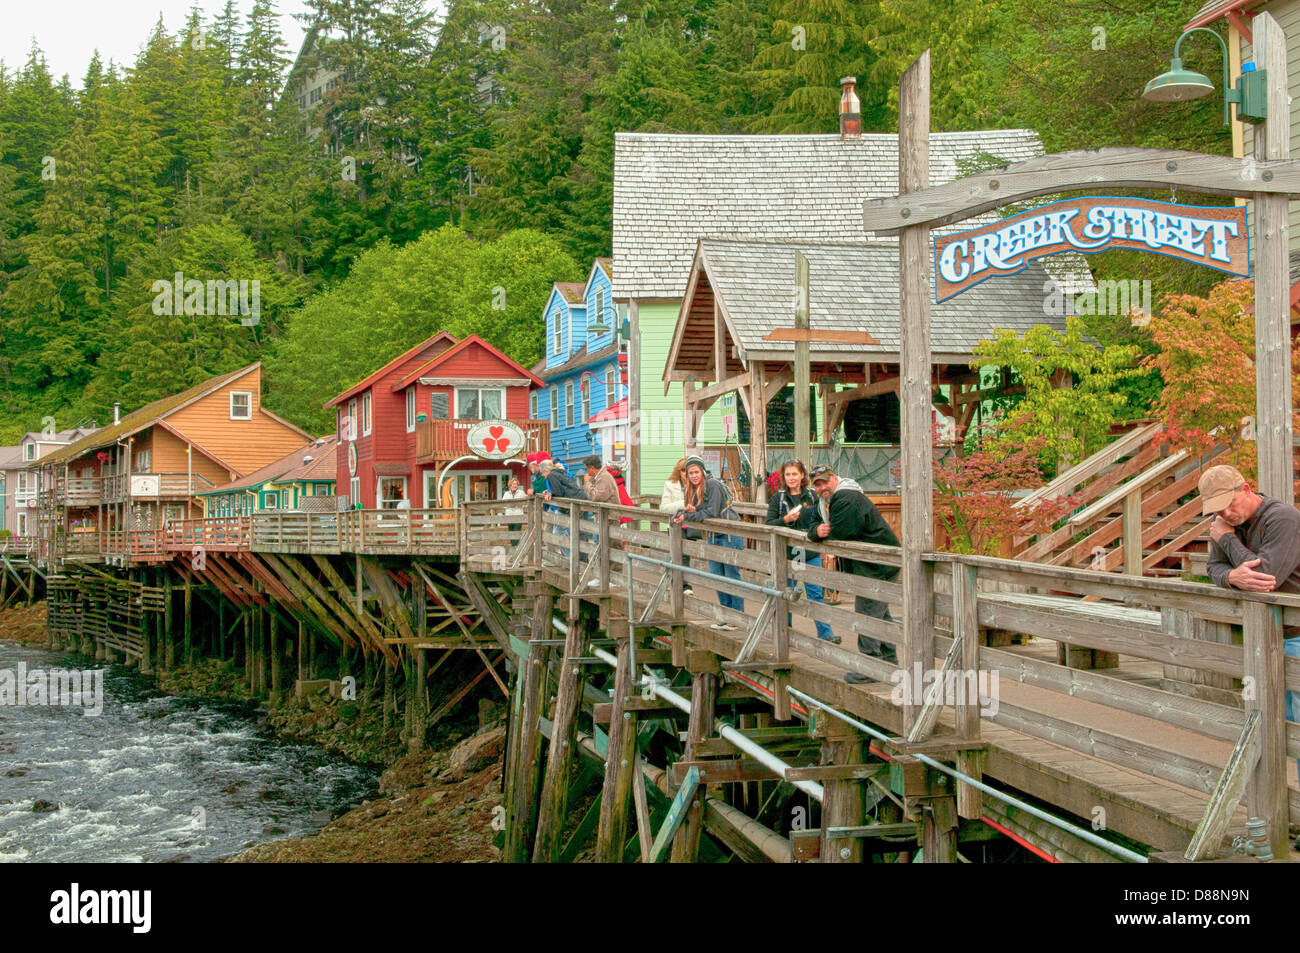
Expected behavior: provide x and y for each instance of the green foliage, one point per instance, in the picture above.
(395, 297)
(1068, 422)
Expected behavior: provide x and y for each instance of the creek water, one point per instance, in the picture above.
(153, 777)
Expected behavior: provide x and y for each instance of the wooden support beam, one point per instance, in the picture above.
(888, 385)
(677, 815)
(917, 534)
(559, 758)
(1227, 794)
(704, 692)
(1267, 791)
(713, 391)
(620, 763)
(802, 360)
(842, 801)
(522, 803)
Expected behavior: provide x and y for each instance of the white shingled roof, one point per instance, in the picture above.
(853, 286)
(671, 190)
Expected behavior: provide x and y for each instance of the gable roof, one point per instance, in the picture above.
(605, 265)
(322, 467)
(146, 416)
(448, 354)
(572, 291)
(11, 458)
(669, 190)
(853, 286)
(365, 382)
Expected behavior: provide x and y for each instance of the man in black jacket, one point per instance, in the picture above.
(849, 515)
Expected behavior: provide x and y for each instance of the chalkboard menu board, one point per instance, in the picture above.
(874, 420)
(780, 417)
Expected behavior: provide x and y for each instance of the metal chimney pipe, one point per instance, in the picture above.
(850, 110)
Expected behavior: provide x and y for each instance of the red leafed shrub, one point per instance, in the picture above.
(975, 498)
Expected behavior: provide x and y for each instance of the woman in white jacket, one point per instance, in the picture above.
(673, 501)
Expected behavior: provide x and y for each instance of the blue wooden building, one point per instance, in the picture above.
(582, 370)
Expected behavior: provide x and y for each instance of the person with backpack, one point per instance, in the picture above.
(708, 498)
(794, 506)
(847, 514)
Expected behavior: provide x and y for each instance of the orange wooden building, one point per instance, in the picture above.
(147, 468)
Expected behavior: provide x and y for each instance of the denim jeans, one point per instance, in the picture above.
(1292, 647)
(727, 570)
(814, 595)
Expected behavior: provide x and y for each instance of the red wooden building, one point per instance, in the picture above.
(444, 422)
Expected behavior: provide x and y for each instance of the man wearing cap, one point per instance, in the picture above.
(1256, 538)
(1256, 547)
(847, 514)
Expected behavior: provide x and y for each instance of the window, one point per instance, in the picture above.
(532, 406)
(365, 415)
(241, 405)
(600, 306)
(480, 403)
(270, 500)
(339, 427)
(29, 451)
(22, 481)
(322, 489)
(556, 335)
(568, 403)
(439, 406)
(555, 407)
(391, 490)
(410, 409)
(22, 524)
(586, 402)
(143, 459)
(352, 421)
(354, 490)
(611, 390)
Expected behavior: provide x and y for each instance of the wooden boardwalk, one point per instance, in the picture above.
(1129, 750)
(1118, 710)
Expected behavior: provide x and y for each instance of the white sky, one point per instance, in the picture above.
(69, 31)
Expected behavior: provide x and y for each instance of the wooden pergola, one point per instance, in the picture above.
(738, 332)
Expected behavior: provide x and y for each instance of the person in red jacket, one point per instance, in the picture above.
(616, 471)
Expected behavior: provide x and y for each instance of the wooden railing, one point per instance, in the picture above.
(1178, 627)
(1136, 508)
(17, 546)
(220, 533)
(442, 440)
(400, 531)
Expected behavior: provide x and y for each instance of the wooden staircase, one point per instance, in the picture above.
(1138, 509)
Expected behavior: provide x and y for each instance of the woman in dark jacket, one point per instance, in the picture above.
(795, 506)
(707, 498)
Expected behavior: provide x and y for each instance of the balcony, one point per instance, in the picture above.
(153, 486)
(440, 441)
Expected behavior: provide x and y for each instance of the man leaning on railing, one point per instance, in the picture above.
(1256, 547)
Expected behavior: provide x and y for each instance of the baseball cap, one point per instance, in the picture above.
(1217, 485)
(823, 472)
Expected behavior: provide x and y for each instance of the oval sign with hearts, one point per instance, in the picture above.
(496, 439)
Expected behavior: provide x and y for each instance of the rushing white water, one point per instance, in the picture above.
(154, 778)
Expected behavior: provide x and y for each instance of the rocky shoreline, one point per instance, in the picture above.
(440, 805)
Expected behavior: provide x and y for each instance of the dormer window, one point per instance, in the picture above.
(241, 405)
(557, 334)
(29, 451)
(600, 307)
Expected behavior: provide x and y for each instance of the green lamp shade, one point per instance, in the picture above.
(1177, 85)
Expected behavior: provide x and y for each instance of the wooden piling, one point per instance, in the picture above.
(842, 800)
(188, 652)
(522, 797)
(620, 760)
(705, 669)
(559, 760)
